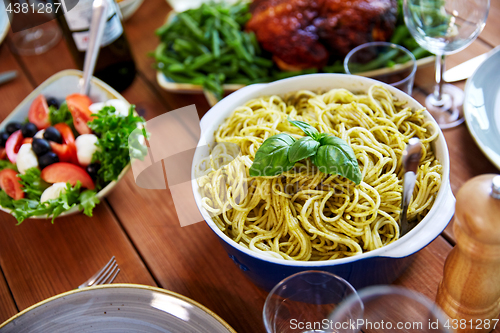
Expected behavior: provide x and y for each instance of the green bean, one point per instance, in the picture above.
(216, 44)
(191, 25)
(229, 21)
(201, 60)
(240, 50)
(375, 63)
(181, 45)
(248, 44)
(176, 68)
(254, 41)
(400, 33)
(263, 62)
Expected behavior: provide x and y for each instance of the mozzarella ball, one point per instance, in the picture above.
(39, 134)
(53, 192)
(85, 148)
(26, 158)
(120, 106)
(96, 107)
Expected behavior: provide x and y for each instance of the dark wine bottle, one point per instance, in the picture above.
(115, 64)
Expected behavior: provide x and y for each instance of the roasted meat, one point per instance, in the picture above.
(343, 25)
(285, 28)
(306, 33)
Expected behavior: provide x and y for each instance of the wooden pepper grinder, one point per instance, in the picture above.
(470, 289)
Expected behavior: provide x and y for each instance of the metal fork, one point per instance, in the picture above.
(105, 275)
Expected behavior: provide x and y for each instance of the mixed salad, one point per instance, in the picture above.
(63, 154)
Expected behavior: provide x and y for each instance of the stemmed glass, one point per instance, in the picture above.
(444, 27)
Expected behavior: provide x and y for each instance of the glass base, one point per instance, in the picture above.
(35, 40)
(447, 112)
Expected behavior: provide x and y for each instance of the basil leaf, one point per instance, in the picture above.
(302, 148)
(335, 156)
(308, 129)
(272, 157)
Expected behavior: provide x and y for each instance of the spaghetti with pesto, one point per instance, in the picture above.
(304, 214)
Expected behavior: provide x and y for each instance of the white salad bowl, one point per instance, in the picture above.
(380, 266)
(59, 86)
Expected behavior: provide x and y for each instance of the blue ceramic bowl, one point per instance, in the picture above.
(381, 266)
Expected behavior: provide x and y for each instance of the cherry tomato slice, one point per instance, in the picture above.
(66, 132)
(65, 152)
(79, 104)
(67, 173)
(26, 140)
(39, 113)
(13, 144)
(9, 182)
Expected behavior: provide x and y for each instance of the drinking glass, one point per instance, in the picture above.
(386, 62)
(390, 309)
(302, 302)
(444, 27)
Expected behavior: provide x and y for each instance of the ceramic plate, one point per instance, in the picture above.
(123, 308)
(4, 23)
(482, 107)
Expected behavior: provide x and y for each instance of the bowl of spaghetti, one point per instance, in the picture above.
(300, 219)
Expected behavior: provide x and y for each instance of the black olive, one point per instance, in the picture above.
(47, 159)
(53, 101)
(3, 138)
(92, 170)
(52, 134)
(29, 130)
(12, 127)
(40, 146)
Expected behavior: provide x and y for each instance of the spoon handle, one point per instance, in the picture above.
(97, 24)
(411, 159)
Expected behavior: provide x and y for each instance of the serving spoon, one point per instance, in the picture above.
(411, 159)
(97, 24)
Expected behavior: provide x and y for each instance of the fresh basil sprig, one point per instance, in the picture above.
(335, 156)
(271, 158)
(330, 154)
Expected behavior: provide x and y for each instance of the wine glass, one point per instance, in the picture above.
(444, 27)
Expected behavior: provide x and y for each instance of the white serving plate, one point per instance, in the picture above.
(124, 308)
(427, 230)
(59, 86)
(482, 107)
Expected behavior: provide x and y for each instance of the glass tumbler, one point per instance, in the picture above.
(303, 302)
(386, 62)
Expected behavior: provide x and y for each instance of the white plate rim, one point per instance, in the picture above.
(117, 286)
(490, 154)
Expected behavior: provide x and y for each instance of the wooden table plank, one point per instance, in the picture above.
(7, 306)
(40, 259)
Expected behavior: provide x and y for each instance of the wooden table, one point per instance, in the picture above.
(39, 259)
